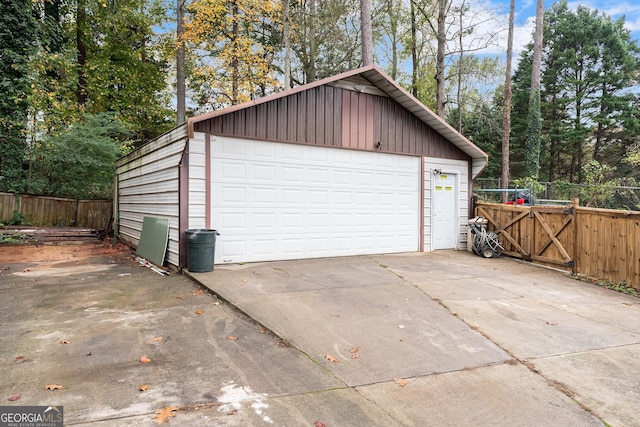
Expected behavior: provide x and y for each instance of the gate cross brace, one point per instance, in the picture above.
(553, 236)
(502, 229)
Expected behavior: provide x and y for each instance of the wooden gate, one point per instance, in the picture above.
(545, 234)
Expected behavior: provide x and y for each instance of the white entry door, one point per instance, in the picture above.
(276, 201)
(445, 211)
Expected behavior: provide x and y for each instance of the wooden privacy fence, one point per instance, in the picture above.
(599, 243)
(56, 211)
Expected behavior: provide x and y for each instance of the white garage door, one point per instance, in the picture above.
(274, 201)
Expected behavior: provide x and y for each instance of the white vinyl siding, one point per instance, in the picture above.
(197, 181)
(148, 185)
(446, 166)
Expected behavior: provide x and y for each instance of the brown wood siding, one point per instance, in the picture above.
(335, 117)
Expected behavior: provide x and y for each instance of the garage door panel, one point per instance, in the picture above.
(265, 173)
(274, 201)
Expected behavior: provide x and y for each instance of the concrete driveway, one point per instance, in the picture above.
(449, 338)
(443, 338)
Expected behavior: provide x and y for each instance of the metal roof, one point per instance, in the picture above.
(381, 81)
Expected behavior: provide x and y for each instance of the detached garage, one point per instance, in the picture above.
(348, 165)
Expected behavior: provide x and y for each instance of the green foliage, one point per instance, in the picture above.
(599, 186)
(587, 106)
(327, 38)
(125, 70)
(125, 78)
(16, 218)
(79, 161)
(17, 42)
(530, 183)
(13, 238)
(563, 190)
(482, 125)
(235, 38)
(622, 286)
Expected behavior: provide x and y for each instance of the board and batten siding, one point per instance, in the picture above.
(446, 166)
(148, 185)
(334, 117)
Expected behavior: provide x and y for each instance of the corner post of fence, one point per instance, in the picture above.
(575, 204)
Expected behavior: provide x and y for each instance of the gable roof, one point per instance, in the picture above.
(375, 80)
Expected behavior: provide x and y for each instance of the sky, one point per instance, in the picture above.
(525, 14)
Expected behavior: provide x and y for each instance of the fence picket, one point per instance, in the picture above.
(599, 243)
(56, 211)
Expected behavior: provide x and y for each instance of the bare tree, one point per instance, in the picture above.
(445, 30)
(506, 113)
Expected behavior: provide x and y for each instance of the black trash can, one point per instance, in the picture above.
(201, 249)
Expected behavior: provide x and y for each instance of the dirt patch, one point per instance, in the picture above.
(25, 253)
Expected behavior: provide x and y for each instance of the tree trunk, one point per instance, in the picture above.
(534, 126)
(506, 113)
(537, 48)
(441, 37)
(81, 49)
(460, 65)
(310, 71)
(414, 53)
(235, 64)
(181, 85)
(394, 16)
(287, 43)
(367, 34)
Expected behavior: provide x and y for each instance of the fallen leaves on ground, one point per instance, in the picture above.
(354, 352)
(65, 342)
(330, 358)
(18, 358)
(143, 387)
(319, 424)
(232, 338)
(233, 412)
(199, 311)
(53, 387)
(198, 292)
(163, 415)
(401, 382)
(145, 359)
(14, 397)
(156, 339)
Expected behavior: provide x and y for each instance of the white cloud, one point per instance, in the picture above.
(523, 26)
(631, 11)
